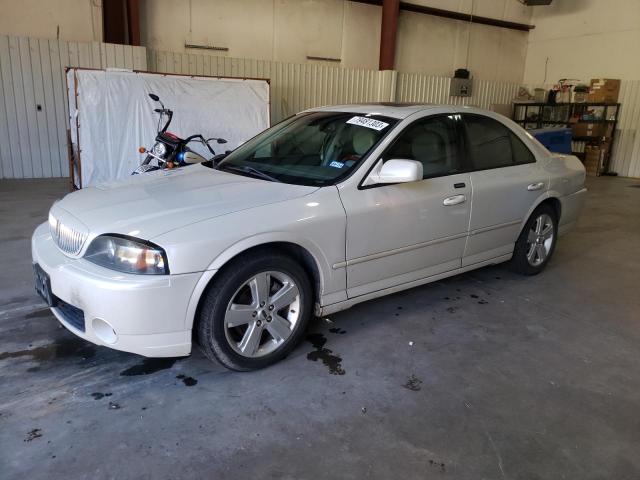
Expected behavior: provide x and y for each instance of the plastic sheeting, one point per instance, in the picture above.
(115, 115)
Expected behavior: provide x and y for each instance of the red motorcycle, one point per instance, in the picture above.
(171, 151)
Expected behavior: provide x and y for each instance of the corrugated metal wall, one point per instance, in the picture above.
(626, 148)
(414, 87)
(33, 141)
(294, 87)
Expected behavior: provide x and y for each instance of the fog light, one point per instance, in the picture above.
(104, 331)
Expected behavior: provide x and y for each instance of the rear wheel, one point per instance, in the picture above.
(537, 242)
(256, 311)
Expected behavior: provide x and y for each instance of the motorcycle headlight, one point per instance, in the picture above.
(127, 255)
(159, 149)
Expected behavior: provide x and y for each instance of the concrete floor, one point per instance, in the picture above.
(485, 375)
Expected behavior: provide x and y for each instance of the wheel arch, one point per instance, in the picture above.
(555, 204)
(549, 198)
(306, 253)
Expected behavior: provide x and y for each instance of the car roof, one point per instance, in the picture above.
(391, 109)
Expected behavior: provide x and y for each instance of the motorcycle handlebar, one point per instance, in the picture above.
(201, 139)
(169, 113)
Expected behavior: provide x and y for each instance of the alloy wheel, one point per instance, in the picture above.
(540, 240)
(262, 314)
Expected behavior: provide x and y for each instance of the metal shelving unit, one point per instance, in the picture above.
(532, 115)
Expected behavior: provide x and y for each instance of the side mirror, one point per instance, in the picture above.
(395, 171)
(154, 97)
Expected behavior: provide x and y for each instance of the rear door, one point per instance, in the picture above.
(506, 181)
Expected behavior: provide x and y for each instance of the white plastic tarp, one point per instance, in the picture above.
(115, 115)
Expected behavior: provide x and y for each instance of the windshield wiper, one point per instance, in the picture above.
(250, 170)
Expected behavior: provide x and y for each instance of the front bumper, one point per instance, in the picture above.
(143, 314)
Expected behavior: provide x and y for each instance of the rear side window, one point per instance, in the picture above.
(521, 153)
(493, 145)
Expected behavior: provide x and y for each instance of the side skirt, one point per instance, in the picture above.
(337, 307)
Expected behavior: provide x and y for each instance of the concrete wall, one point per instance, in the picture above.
(289, 30)
(279, 30)
(584, 39)
(438, 46)
(76, 20)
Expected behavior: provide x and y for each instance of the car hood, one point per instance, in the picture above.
(154, 203)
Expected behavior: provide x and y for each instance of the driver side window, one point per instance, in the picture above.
(432, 141)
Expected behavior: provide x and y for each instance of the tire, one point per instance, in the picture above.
(536, 242)
(234, 328)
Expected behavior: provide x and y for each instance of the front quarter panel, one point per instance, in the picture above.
(315, 222)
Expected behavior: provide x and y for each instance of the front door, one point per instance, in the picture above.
(397, 234)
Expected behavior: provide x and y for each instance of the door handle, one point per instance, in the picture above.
(454, 200)
(535, 186)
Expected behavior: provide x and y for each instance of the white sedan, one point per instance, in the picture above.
(329, 208)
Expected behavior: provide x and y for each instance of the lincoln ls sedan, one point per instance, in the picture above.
(328, 208)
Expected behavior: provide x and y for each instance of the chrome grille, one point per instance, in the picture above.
(68, 239)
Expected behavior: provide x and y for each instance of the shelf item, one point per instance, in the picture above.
(555, 139)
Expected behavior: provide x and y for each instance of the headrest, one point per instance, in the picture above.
(363, 140)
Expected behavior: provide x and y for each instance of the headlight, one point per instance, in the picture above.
(159, 149)
(127, 255)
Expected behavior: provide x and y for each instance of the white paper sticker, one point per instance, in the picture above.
(368, 122)
(335, 164)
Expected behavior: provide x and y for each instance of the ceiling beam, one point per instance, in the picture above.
(465, 17)
(388, 30)
(133, 22)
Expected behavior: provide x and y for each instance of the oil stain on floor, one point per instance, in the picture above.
(149, 366)
(413, 383)
(338, 331)
(33, 434)
(333, 362)
(188, 381)
(43, 313)
(72, 347)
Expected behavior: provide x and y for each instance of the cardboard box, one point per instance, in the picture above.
(584, 129)
(594, 160)
(604, 90)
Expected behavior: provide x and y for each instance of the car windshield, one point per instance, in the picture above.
(317, 148)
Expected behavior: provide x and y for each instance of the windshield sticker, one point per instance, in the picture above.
(335, 164)
(368, 122)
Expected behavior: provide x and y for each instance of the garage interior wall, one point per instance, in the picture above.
(33, 100)
(584, 39)
(291, 30)
(70, 20)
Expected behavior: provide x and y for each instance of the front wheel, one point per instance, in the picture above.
(536, 243)
(255, 312)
